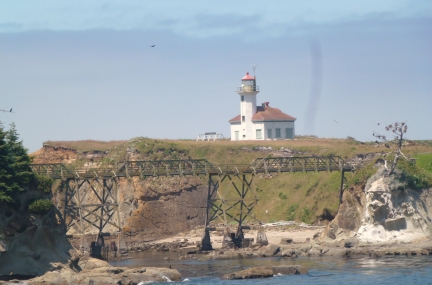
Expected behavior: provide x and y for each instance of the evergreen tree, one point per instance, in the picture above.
(15, 172)
(5, 172)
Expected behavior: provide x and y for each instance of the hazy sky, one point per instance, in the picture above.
(74, 70)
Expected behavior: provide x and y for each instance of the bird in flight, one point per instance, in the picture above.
(6, 111)
(335, 120)
(10, 110)
(378, 124)
(153, 46)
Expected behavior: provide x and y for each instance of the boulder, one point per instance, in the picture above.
(108, 275)
(266, 271)
(269, 250)
(286, 241)
(253, 272)
(289, 269)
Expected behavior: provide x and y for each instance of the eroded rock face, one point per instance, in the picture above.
(151, 208)
(30, 244)
(385, 211)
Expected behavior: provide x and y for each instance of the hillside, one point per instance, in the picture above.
(307, 197)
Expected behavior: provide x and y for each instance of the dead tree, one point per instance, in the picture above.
(398, 129)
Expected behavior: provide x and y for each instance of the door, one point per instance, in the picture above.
(236, 135)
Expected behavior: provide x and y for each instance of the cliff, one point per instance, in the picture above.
(30, 244)
(383, 210)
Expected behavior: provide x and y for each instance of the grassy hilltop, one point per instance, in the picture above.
(306, 197)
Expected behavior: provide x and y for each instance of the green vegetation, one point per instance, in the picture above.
(40, 206)
(291, 212)
(44, 183)
(424, 161)
(415, 176)
(15, 172)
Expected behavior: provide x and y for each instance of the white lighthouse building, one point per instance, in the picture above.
(259, 122)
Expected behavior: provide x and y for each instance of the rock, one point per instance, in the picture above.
(289, 269)
(108, 275)
(352, 242)
(266, 271)
(254, 272)
(93, 263)
(269, 250)
(286, 241)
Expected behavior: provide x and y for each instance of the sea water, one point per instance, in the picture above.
(322, 270)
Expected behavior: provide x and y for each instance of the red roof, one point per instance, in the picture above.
(235, 119)
(247, 77)
(267, 113)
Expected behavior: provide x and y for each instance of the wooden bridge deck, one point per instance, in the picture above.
(196, 167)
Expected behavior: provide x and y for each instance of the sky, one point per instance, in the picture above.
(76, 70)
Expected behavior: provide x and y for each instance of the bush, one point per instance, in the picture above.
(41, 206)
(291, 212)
(44, 183)
(413, 176)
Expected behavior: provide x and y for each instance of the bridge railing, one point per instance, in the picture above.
(302, 164)
(165, 167)
(197, 167)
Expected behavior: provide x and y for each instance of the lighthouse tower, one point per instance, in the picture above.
(248, 92)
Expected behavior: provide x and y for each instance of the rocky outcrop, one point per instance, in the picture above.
(266, 271)
(30, 244)
(167, 205)
(98, 272)
(385, 210)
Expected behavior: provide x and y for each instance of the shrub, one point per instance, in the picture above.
(44, 183)
(306, 216)
(291, 212)
(282, 196)
(40, 206)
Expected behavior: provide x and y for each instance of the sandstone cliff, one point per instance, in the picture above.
(30, 244)
(383, 210)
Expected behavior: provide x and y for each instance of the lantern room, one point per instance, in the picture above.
(248, 84)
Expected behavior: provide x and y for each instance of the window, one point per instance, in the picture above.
(289, 134)
(242, 98)
(258, 134)
(243, 118)
(278, 133)
(269, 134)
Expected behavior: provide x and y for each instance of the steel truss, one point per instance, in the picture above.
(227, 205)
(103, 209)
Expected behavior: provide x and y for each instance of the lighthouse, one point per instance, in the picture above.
(248, 92)
(258, 122)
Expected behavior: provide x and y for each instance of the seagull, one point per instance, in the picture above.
(378, 124)
(10, 110)
(153, 46)
(335, 120)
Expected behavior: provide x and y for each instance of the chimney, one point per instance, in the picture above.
(267, 103)
(263, 105)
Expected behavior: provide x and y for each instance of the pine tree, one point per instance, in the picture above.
(19, 160)
(15, 172)
(5, 171)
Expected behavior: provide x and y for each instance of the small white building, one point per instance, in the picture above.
(259, 122)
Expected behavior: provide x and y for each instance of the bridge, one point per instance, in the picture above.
(231, 194)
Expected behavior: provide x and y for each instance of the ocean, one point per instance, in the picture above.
(322, 270)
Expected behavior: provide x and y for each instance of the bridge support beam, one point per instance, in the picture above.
(228, 206)
(91, 203)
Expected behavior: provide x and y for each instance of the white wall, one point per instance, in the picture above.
(274, 125)
(247, 109)
(235, 127)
